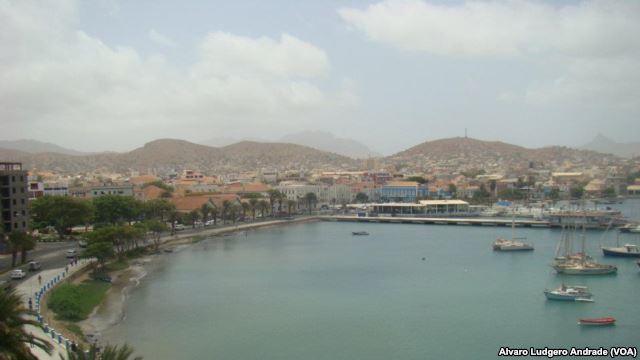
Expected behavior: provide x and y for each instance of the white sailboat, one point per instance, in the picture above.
(515, 244)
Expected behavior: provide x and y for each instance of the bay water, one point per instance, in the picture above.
(314, 291)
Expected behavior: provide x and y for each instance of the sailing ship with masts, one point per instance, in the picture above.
(578, 263)
(515, 244)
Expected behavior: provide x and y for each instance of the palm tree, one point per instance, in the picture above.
(17, 242)
(290, 205)
(194, 215)
(110, 352)
(214, 214)
(225, 210)
(311, 199)
(253, 202)
(262, 206)
(173, 217)
(15, 340)
(245, 207)
(205, 210)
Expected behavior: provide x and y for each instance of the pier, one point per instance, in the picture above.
(438, 221)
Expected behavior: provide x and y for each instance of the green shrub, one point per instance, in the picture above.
(75, 302)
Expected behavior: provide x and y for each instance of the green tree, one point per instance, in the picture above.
(311, 199)
(158, 209)
(161, 184)
(418, 179)
(576, 192)
(361, 198)
(453, 190)
(274, 196)
(100, 249)
(262, 206)
(61, 212)
(173, 217)
(226, 205)
(205, 210)
(245, 208)
(253, 203)
(157, 228)
(609, 192)
(194, 216)
(15, 339)
(114, 209)
(291, 204)
(554, 194)
(27, 244)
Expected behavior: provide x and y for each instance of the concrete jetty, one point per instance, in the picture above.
(438, 220)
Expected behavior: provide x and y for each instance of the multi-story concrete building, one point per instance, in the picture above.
(14, 196)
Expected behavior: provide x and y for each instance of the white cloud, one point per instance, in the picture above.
(591, 45)
(501, 28)
(160, 39)
(56, 79)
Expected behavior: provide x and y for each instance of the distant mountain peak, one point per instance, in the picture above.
(327, 141)
(35, 146)
(604, 144)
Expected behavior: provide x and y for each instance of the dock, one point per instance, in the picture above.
(438, 221)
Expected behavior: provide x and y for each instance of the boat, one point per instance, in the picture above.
(629, 228)
(580, 263)
(512, 245)
(569, 293)
(598, 321)
(628, 250)
(359, 233)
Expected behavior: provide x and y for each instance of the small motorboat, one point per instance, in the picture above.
(598, 321)
(628, 250)
(569, 293)
(359, 233)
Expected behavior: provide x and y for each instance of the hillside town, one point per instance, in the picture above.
(487, 177)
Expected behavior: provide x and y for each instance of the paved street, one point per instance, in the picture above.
(49, 255)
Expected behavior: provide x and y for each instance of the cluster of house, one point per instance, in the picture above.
(190, 189)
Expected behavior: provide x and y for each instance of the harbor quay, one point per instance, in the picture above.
(439, 221)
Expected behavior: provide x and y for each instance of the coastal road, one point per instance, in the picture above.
(49, 255)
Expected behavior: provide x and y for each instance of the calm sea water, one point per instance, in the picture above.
(314, 291)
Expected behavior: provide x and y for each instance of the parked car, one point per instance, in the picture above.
(34, 266)
(71, 253)
(179, 227)
(82, 244)
(209, 223)
(18, 274)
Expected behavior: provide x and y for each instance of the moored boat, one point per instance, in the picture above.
(569, 293)
(628, 250)
(511, 245)
(584, 268)
(360, 233)
(598, 321)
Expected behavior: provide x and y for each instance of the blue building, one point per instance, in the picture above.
(403, 191)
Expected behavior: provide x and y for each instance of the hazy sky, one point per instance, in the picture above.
(111, 75)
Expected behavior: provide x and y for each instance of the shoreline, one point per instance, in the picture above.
(112, 309)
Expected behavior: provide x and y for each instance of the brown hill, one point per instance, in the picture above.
(169, 154)
(467, 152)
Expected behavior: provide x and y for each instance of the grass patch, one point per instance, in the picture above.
(117, 265)
(74, 328)
(75, 302)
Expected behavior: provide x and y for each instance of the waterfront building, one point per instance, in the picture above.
(14, 196)
(425, 208)
(633, 190)
(403, 191)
